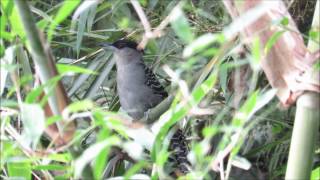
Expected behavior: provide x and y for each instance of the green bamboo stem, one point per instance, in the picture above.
(41, 60)
(306, 125)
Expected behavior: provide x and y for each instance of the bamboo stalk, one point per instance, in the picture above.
(306, 125)
(46, 69)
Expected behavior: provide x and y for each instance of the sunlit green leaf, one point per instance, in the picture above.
(56, 167)
(63, 13)
(272, 40)
(6, 67)
(202, 43)
(315, 174)
(256, 54)
(176, 113)
(33, 125)
(12, 13)
(181, 26)
(65, 69)
(80, 106)
(20, 169)
(90, 153)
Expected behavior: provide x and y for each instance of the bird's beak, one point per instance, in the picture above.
(107, 46)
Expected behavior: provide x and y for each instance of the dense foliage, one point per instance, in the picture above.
(221, 98)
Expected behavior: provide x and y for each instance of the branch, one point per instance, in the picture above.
(149, 34)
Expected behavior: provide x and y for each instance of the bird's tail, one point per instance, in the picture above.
(179, 149)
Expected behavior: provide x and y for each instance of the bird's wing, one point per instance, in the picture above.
(153, 83)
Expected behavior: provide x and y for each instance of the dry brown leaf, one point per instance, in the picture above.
(288, 60)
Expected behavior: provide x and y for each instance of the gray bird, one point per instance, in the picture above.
(137, 86)
(139, 90)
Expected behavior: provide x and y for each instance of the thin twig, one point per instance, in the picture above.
(149, 34)
(142, 16)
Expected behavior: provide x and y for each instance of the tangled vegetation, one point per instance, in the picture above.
(61, 116)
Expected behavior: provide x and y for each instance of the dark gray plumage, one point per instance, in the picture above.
(138, 88)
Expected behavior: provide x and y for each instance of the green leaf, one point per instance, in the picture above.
(11, 11)
(102, 158)
(285, 21)
(19, 169)
(66, 9)
(65, 69)
(6, 66)
(4, 34)
(176, 113)
(51, 167)
(256, 54)
(53, 119)
(243, 115)
(135, 168)
(314, 35)
(316, 66)
(202, 43)
(81, 27)
(80, 106)
(34, 95)
(93, 151)
(272, 40)
(33, 125)
(181, 26)
(315, 174)
(62, 157)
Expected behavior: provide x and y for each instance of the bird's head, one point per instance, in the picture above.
(122, 47)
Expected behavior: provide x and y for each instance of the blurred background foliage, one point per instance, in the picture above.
(104, 146)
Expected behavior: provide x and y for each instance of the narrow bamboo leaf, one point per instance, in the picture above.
(53, 119)
(176, 113)
(24, 61)
(46, 19)
(133, 149)
(202, 43)
(66, 9)
(91, 16)
(79, 106)
(272, 40)
(4, 34)
(136, 176)
(101, 78)
(80, 31)
(66, 69)
(314, 35)
(315, 174)
(33, 125)
(61, 157)
(89, 154)
(223, 77)
(241, 162)
(21, 169)
(94, 65)
(85, 5)
(256, 54)
(181, 26)
(102, 158)
(51, 167)
(6, 67)
(11, 11)
(34, 95)
(135, 168)
(242, 116)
